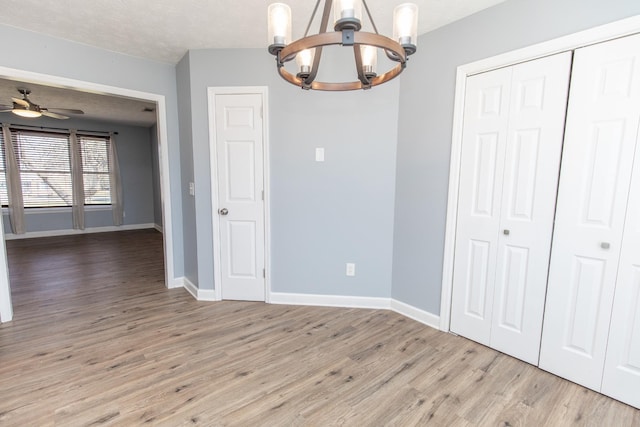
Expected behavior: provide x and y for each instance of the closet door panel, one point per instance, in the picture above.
(534, 144)
(599, 148)
(482, 163)
(621, 378)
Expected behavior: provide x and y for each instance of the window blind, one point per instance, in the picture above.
(44, 163)
(45, 169)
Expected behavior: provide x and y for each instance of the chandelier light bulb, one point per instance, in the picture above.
(347, 14)
(405, 26)
(279, 25)
(369, 60)
(304, 59)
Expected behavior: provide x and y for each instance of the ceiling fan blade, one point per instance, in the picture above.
(53, 115)
(22, 102)
(4, 110)
(64, 110)
(6, 107)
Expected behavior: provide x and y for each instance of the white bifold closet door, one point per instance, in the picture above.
(593, 308)
(512, 142)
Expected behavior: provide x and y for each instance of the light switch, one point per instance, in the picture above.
(319, 154)
(351, 269)
(192, 189)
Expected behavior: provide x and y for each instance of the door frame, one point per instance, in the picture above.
(6, 310)
(263, 91)
(584, 38)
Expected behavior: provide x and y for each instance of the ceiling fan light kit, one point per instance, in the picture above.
(347, 24)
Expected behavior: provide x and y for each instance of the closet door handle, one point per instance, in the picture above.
(605, 245)
(505, 232)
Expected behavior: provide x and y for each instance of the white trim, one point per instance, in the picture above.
(163, 153)
(416, 314)
(69, 232)
(177, 282)
(158, 227)
(213, 161)
(574, 41)
(198, 294)
(329, 300)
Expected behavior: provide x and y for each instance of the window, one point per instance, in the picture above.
(95, 168)
(44, 163)
(45, 169)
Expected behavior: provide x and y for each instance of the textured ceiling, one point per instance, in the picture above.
(164, 30)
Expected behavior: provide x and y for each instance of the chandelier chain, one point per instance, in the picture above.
(313, 15)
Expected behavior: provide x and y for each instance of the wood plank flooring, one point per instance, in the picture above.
(98, 340)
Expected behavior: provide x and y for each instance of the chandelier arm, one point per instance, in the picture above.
(326, 13)
(313, 15)
(366, 7)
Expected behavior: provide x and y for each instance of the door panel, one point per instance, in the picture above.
(482, 163)
(532, 161)
(600, 142)
(239, 148)
(621, 378)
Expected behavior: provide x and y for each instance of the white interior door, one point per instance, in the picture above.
(486, 119)
(602, 123)
(239, 148)
(512, 140)
(539, 94)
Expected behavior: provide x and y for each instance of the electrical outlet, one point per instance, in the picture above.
(319, 154)
(351, 269)
(192, 189)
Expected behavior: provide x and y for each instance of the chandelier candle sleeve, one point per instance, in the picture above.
(347, 14)
(369, 60)
(304, 59)
(405, 25)
(279, 26)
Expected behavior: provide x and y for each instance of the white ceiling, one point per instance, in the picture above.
(164, 30)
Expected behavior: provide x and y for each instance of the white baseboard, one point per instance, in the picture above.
(51, 233)
(416, 314)
(158, 227)
(328, 300)
(177, 282)
(199, 294)
(424, 317)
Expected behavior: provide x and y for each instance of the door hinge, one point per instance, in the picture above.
(263, 195)
(261, 112)
(264, 273)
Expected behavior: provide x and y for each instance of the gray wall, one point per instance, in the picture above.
(24, 50)
(134, 155)
(426, 115)
(155, 176)
(186, 167)
(323, 214)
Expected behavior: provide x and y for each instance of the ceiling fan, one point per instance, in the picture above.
(26, 108)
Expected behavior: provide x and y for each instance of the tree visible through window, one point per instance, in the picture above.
(45, 168)
(95, 169)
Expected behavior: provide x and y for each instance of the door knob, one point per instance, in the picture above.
(223, 211)
(505, 232)
(605, 245)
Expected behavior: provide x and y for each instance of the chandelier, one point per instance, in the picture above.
(307, 51)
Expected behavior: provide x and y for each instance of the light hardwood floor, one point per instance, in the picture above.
(98, 340)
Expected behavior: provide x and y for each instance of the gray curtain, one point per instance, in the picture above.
(115, 183)
(14, 184)
(77, 182)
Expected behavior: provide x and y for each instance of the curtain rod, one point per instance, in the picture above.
(50, 128)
